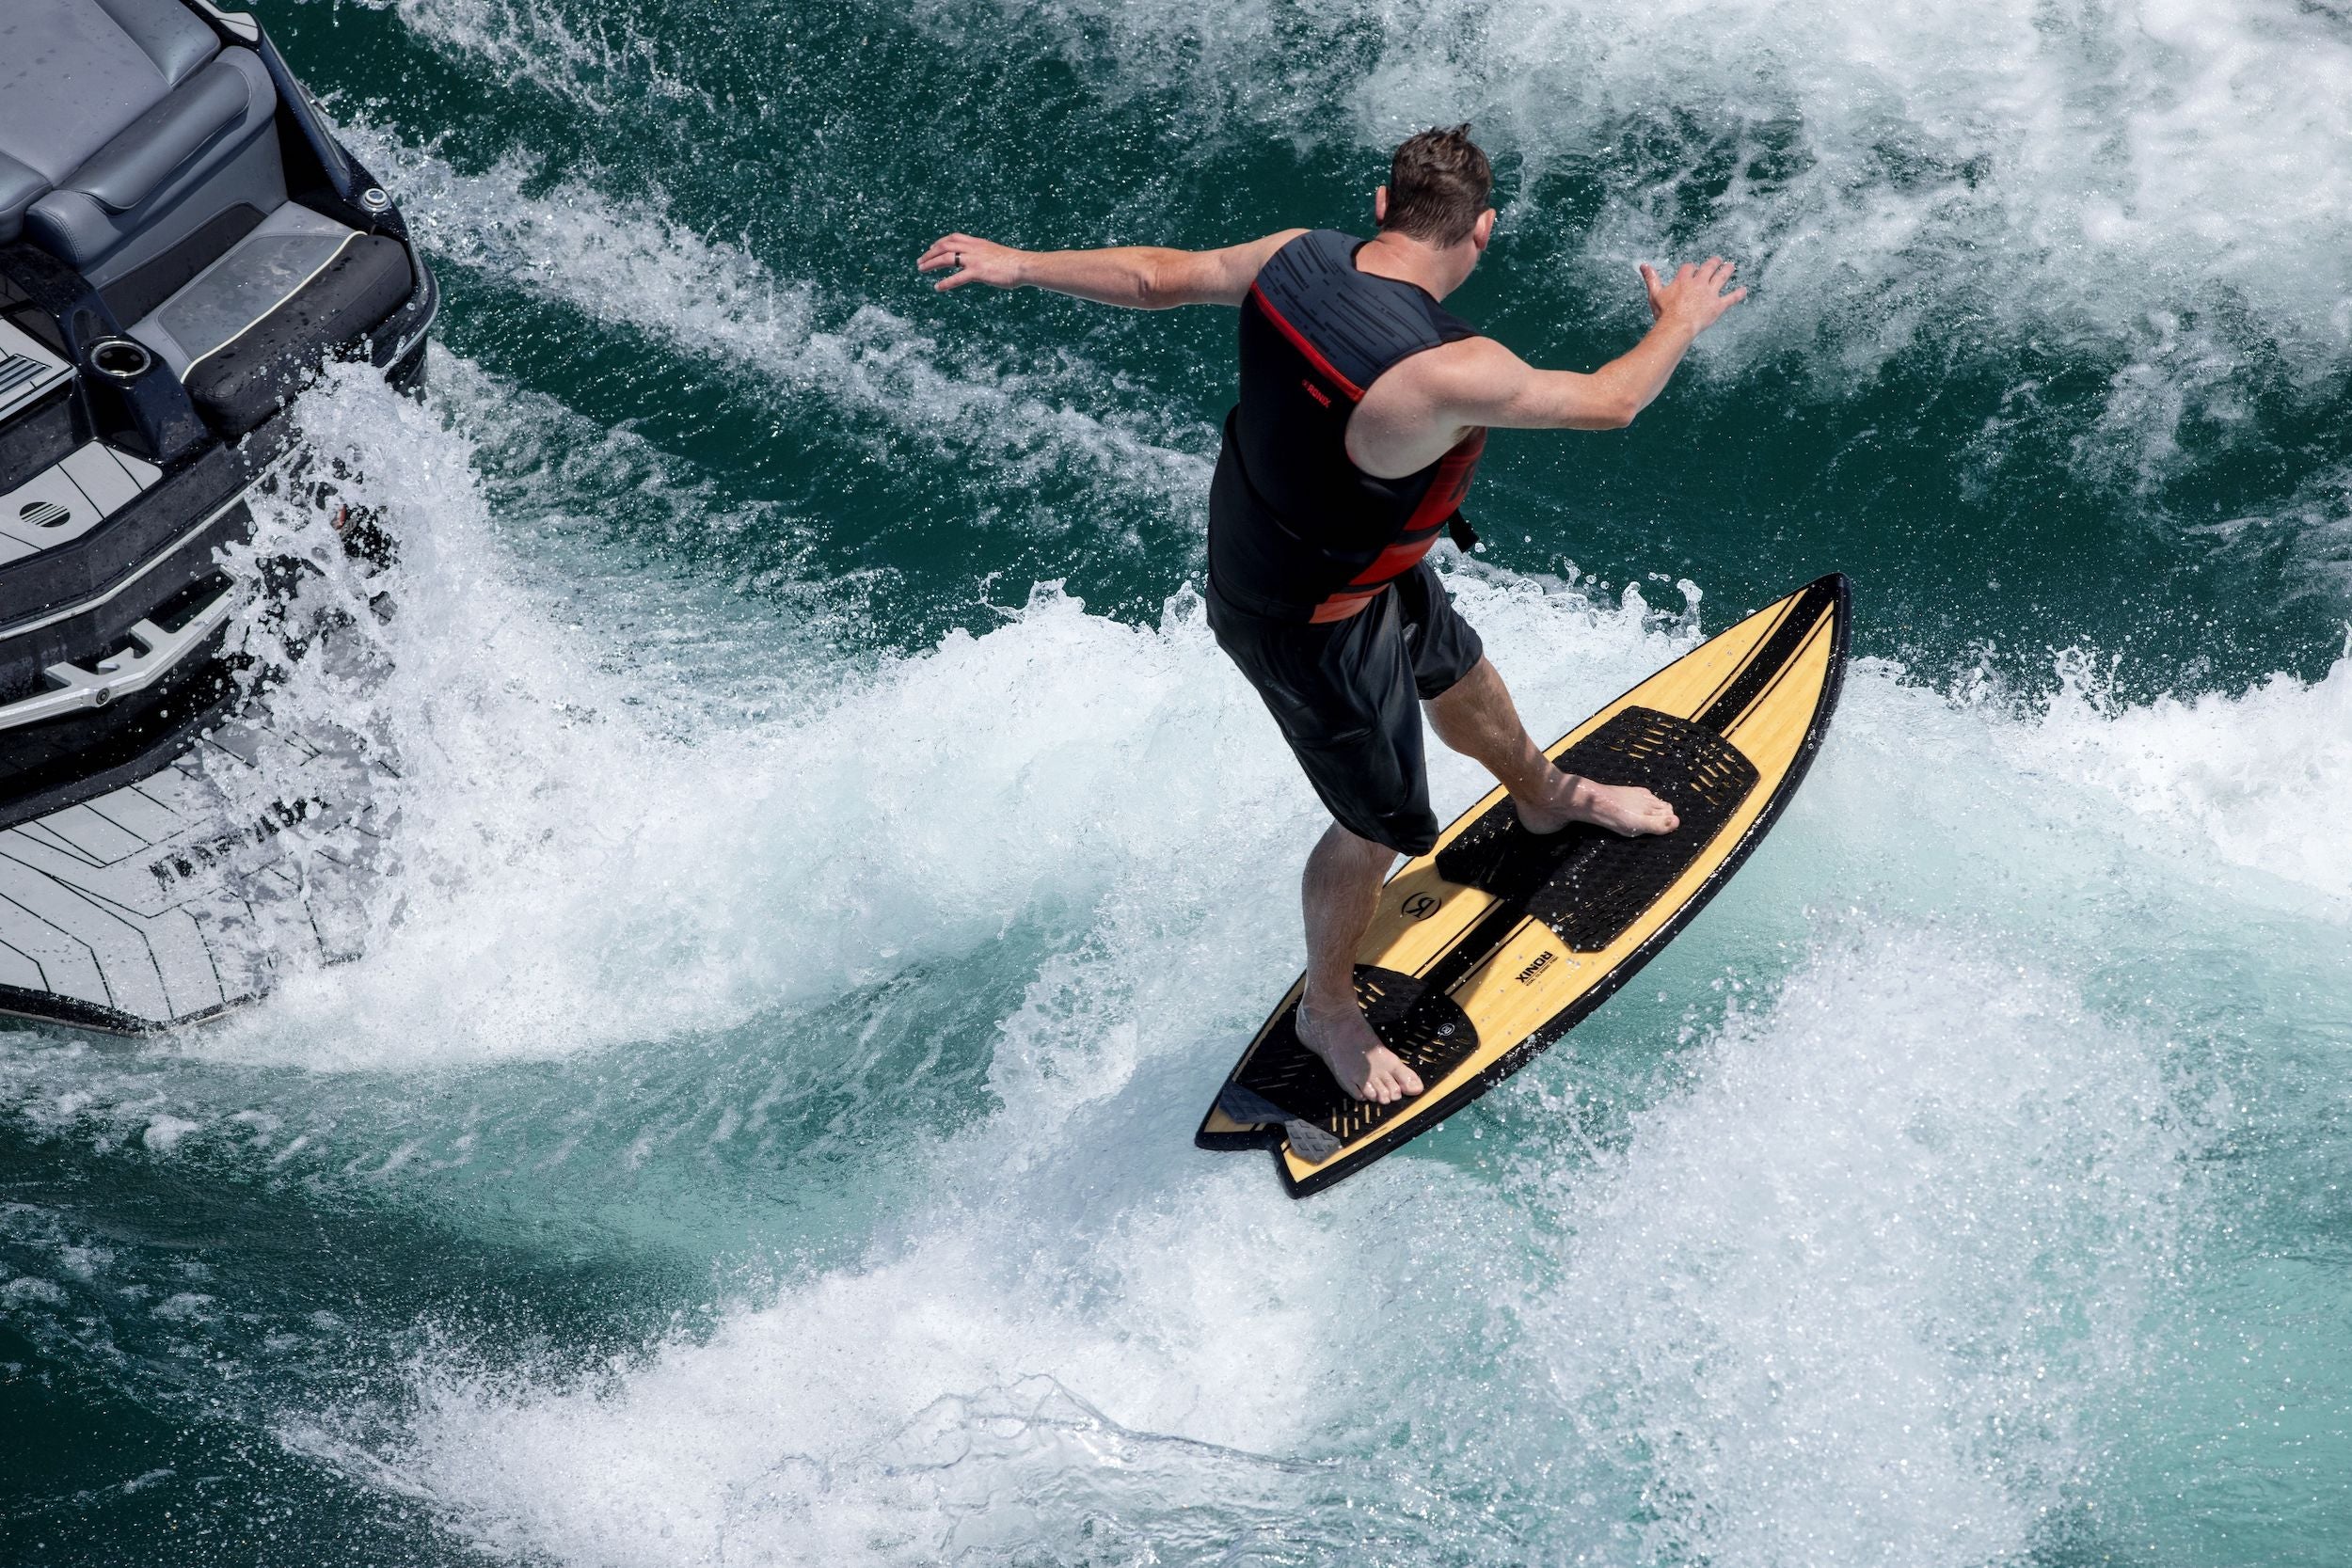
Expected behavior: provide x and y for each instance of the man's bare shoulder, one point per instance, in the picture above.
(1472, 356)
(1255, 254)
(1464, 370)
(1224, 277)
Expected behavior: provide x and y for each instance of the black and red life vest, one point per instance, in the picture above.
(1297, 531)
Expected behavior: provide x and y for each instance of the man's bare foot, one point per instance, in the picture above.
(1365, 1069)
(1625, 809)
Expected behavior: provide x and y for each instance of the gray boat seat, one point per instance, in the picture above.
(170, 34)
(153, 143)
(75, 73)
(20, 187)
(169, 170)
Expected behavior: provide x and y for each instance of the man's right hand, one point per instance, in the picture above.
(1433, 400)
(1695, 300)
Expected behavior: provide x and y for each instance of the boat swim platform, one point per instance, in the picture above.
(171, 899)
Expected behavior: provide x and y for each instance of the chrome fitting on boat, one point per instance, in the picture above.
(120, 358)
(77, 689)
(374, 198)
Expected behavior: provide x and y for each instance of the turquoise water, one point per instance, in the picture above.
(837, 865)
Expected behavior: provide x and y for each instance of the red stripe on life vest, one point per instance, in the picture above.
(1299, 341)
(1394, 561)
(1449, 484)
(1340, 606)
(1443, 498)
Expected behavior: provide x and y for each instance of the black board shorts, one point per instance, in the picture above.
(1347, 695)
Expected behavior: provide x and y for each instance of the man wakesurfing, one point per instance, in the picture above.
(1364, 407)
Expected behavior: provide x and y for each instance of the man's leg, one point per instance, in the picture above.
(1476, 717)
(1340, 889)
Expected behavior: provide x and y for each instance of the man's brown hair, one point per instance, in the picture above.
(1438, 186)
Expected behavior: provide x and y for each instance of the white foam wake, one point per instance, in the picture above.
(583, 811)
(1947, 1177)
(593, 855)
(1848, 1299)
(2255, 779)
(630, 262)
(1877, 164)
(1861, 1294)
(583, 876)
(579, 57)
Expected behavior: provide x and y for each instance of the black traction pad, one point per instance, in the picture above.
(1428, 1032)
(1589, 884)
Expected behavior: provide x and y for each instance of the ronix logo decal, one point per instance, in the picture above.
(1543, 961)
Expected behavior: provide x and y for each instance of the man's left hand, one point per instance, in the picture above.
(974, 261)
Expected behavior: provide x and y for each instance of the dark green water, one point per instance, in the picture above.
(760, 1130)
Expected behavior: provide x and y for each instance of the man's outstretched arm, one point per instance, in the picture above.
(1148, 278)
(1489, 385)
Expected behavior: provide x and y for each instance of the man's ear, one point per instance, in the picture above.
(1380, 205)
(1484, 229)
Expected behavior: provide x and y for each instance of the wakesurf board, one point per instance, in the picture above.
(1498, 941)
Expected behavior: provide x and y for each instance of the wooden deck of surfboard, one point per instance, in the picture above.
(1769, 686)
